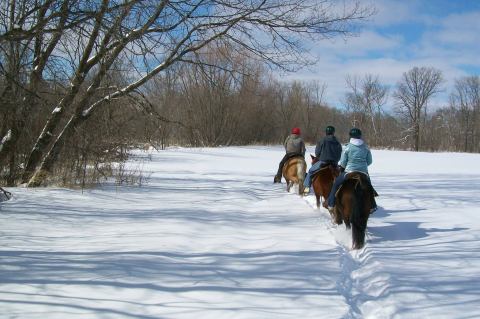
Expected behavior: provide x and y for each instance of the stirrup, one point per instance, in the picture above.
(306, 191)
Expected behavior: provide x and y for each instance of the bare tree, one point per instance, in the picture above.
(466, 100)
(30, 32)
(413, 92)
(313, 98)
(154, 35)
(365, 100)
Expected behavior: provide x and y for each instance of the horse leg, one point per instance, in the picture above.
(337, 216)
(346, 218)
(323, 196)
(325, 202)
(300, 188)
(316, 191)
(348, 224)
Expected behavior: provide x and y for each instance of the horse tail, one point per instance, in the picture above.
(358, 217)
(301, 169)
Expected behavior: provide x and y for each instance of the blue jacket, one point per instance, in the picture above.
(356, 157)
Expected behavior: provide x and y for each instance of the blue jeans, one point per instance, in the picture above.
(315, 167)
(338, 181)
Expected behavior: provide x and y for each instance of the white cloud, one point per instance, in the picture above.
(450, 44)
(461, 29)
(364, 43)
(391, 12)
(455, 39)
(389, 70)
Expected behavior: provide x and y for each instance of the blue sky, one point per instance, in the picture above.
(403, 34)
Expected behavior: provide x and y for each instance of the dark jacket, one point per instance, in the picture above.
(328, 149)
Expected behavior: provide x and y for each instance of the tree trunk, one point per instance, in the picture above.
(47, 164)
(12, 171)
(46, 136)
(416, 136)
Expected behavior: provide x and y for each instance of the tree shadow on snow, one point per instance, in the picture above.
(405, 231)
(278, 274)
(402, 230)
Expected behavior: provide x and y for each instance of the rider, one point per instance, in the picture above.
(294, 146)
(356, 157)
(328, 151)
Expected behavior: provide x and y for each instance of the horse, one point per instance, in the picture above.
(353, 204)
(322, 181)
(294, 172)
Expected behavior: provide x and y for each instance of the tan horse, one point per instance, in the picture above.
(322, 182)
(294, 172)
(353, 204)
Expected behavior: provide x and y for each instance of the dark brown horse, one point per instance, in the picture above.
(294, 172)
(353, 204)
(322, 181)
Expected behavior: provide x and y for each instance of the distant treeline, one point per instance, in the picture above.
(216, 107)
(200, 105)
(84, 82)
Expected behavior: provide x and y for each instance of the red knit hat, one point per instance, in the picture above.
(296, 130)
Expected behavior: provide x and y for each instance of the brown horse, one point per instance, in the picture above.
(353, 204)
(294, 172)
(322, 181)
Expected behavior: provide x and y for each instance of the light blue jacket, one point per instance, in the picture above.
(356, 157)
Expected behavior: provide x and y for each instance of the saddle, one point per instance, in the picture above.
(324, 167)
(361, 178)
(292, 156)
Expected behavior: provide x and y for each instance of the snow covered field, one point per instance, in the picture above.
(211, 237)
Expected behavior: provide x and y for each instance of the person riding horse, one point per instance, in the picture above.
(356, 157)
(294, 146)
(328, 152)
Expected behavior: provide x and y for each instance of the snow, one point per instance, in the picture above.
(210, 236)
(6, 138)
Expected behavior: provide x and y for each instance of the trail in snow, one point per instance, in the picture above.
(210, 236)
